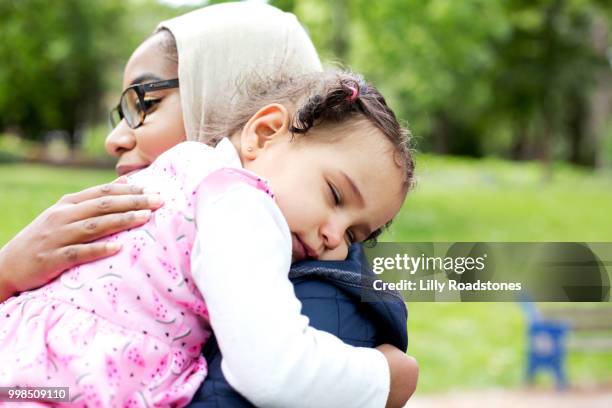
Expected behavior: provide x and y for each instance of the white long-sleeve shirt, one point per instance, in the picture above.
(271, 355)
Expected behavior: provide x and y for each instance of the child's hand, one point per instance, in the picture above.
(404, 372)
(61, 237)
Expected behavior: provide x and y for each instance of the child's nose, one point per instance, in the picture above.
(120, 140)
(333, 239)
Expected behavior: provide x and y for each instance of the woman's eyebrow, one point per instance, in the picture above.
(148, 77)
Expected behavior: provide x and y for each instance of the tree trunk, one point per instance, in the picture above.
(520, 141)
(340, 24)
(551, 61)
(546, 146)
(577, 121)
(442, 130)
(601, 99)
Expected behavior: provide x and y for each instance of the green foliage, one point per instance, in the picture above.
(545, 72)
(514, 78)
(59, 62)
(54, 61)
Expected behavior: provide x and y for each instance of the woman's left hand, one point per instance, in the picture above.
(65, 235)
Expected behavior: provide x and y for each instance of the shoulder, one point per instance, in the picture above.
(334, 295)
(235, 204)
(239, 190)
(187, 151)
(186, 160)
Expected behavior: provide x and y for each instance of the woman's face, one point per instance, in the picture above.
(163, 125)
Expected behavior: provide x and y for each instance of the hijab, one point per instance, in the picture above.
(222, 47)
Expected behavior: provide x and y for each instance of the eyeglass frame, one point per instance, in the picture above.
(141, 91)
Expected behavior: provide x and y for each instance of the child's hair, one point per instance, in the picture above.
(322, 99)
(318, 100)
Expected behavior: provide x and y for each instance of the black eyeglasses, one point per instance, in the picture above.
(132, 105)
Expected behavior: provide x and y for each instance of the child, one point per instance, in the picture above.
(127, 331)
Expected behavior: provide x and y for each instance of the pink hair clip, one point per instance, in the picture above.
(354, 93)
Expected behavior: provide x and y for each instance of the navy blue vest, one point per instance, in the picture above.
(330, 293)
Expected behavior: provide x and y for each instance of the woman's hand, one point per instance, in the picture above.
(404, 373)
(61, 237)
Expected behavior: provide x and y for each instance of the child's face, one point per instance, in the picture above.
(163, 126)
(332, 193)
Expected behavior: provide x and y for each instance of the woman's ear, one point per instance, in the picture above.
(266, 127)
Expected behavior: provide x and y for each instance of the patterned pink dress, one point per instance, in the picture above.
(125, 331)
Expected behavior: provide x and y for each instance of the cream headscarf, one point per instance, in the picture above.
(220, 46)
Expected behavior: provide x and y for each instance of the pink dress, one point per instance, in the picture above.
(125, 331)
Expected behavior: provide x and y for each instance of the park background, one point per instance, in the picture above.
(509, 102)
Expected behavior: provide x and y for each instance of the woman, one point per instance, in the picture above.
(215, 47)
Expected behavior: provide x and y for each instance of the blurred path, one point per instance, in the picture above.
(527, 398)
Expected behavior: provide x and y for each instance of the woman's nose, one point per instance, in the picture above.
(120, 140)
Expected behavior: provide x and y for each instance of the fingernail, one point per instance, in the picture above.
(149, 190)
(156, 200)
(142, 214)
(113, 246)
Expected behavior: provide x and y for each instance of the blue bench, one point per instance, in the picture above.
(553, 330)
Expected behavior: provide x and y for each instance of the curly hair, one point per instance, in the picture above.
(319, 99)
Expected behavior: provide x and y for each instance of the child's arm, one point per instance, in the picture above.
(270, 354)
(404, 373)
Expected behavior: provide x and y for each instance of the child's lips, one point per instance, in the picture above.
(299, 251)
(302, 251)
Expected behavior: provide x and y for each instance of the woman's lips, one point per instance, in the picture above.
(127, 169)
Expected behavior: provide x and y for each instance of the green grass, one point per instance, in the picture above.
(466, 345)
(493, 200)
(26, 190)
(482, 345)
(458, 345)
(476, 345)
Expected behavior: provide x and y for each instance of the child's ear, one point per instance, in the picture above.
(265, 127)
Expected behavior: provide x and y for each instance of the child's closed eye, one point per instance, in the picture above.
(337, 197)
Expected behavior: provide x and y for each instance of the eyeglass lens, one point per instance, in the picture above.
(130, 105)
(115, 117)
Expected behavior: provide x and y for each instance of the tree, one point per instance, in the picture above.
(519, 78)
(545, 74)
(54, 61)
